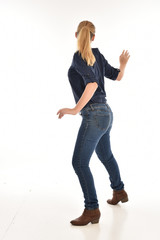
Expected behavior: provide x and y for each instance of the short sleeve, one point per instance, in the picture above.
(109, 71)
(84, 70)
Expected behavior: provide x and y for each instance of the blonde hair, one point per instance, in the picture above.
(85, 32)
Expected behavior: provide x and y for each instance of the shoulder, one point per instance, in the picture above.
(76, 56)
(71, 70)
(77, 60)
(79, 63)
(95, 50)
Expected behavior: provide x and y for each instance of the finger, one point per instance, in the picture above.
(126, 54)
(61, 115)
(122, 53)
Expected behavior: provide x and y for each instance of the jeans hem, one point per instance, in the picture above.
(92, 208)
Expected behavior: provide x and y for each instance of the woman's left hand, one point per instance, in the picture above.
(64, 111)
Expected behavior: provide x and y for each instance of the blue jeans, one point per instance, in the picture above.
(94, 134)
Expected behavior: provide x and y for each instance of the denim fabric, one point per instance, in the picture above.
(94, 134)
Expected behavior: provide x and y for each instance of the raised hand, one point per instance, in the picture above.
(123, 58)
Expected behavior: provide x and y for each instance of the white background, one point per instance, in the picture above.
(39, 190)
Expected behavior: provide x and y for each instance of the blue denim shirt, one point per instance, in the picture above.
(80, 74)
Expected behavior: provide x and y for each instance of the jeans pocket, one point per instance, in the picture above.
(102, 119)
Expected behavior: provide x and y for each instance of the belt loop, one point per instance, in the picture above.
(91, 107)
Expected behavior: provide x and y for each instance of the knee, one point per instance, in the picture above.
(75, 163)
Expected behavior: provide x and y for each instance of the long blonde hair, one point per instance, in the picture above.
(85, 32)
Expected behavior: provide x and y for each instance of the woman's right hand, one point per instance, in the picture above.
(123, 58)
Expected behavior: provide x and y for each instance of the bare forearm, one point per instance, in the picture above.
(86, 96)
(123, 59)
(121, 73)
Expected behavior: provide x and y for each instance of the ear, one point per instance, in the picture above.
(76, 34)
(93, 38)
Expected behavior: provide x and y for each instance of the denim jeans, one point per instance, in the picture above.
(94, 134)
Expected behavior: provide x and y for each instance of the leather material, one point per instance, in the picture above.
(118, 195)
(87, 216)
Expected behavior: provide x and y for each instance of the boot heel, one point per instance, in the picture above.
(124, 200)
(95, 221)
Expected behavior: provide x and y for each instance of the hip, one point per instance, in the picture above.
(95, 108)
(97, 115)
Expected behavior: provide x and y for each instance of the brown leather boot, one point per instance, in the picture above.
(88, 215)
(118, 195)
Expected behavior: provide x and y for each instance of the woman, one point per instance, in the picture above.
(86, 76)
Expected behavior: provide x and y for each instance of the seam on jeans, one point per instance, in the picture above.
(108, 106)
(103, 108)
(102, 136)
(96, 121)
(78, 165)
(106, 160)
(112, 118)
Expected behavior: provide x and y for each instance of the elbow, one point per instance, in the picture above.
(95, 84)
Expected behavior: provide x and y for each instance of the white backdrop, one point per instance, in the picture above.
(37, 42)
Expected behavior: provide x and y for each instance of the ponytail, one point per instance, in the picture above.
(84, 36)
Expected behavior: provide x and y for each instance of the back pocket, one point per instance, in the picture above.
(102, 119)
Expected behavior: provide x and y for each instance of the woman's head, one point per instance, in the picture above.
(85, 35)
